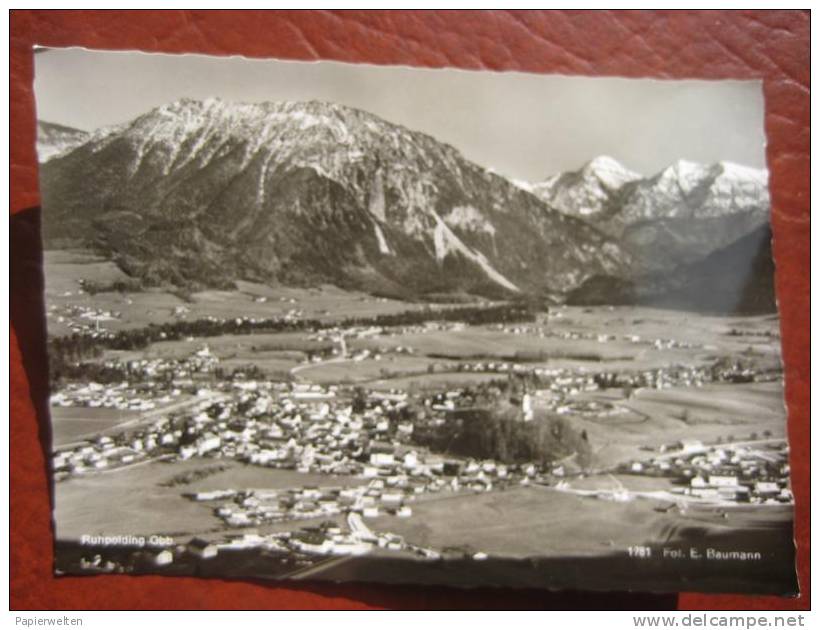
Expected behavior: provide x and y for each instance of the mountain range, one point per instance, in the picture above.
(202, 193)
(678, 216)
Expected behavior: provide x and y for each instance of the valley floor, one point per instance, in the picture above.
(661, 397)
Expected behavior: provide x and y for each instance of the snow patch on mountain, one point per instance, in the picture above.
(384, 248)
(523, 185)
(376, 205)
(492, 273)
(446, 242)
(683, 175)
(468, 218)
(263, 178)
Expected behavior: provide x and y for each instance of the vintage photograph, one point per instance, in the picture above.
(325, 321)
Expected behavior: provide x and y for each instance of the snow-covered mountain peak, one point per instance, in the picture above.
(609, 172)
(584, 192)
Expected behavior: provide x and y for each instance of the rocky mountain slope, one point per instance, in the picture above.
(738, 278)
(54, 139)
(201, 193)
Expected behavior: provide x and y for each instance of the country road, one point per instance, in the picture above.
(358, 526)
(306, 366)
(319, 567)
(343, 357)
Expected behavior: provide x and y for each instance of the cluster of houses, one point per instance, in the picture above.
(544, 332)
(259, 506)
(302, 427)
(559, 384)
(100, 455)
(203, 361)
(149, 382)
(82, 320)
(755, 471)
(390, 485)
(122, 396)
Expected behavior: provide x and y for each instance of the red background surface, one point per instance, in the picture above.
(768, 45)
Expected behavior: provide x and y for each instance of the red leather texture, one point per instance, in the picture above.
(772, 45)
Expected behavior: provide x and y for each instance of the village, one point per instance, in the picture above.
(367, 442)
(369, 435)
(332, 429)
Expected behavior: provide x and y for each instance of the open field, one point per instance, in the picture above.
(708, 413)
(527, 522)
(537, 521)
(634, 483)
(767, 532)
(350, 371)
(435, 381)
(134, 501)
(638, 338)
(72, 423)
(484, 341)
(709, 331)
(287, 346)
(720, 404)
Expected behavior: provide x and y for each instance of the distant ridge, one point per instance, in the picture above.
(737, 279)
(54, 139)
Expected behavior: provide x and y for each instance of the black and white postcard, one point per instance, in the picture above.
(324, 321)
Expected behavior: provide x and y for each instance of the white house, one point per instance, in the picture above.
(163, 558)
(202, 548)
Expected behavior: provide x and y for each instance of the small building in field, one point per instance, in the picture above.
(163, 558)
(202, 548)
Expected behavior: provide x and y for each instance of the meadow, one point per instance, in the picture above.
(69, 424)
(530, 522)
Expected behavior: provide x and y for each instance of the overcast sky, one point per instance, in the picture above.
(526, 126)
